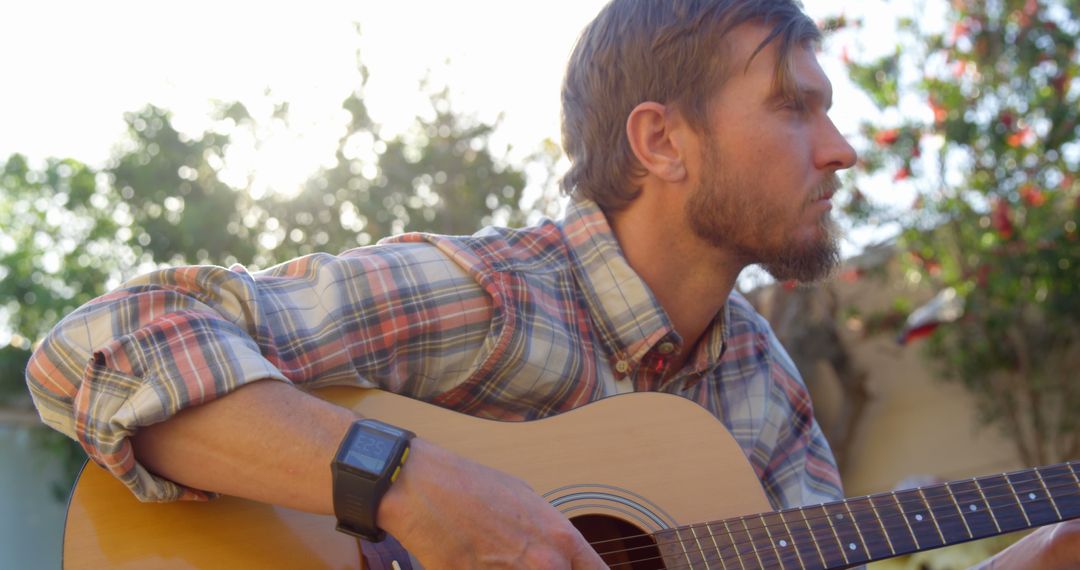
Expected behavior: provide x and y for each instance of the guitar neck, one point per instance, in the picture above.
(864, 529)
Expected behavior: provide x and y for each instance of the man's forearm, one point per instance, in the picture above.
(267, 441)
(272, 443)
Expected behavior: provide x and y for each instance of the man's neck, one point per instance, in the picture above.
(690, 278)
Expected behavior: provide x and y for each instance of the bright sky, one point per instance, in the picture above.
(72, 68)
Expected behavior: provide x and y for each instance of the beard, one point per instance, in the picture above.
(733, 214)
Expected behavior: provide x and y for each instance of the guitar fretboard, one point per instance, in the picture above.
(864, 529)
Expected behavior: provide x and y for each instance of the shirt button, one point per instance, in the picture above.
(622, 366)
(666, 348)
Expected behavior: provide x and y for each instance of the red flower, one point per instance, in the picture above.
(960, 30)
(940, 113)
(1000, 217)
(887, 137)
(1019, 137)
(902, 174)
(1032, 195)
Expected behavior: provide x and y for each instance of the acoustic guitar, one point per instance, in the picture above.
(652, 480)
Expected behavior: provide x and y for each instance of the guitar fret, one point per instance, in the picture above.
(1064, 489)
(947, 514)
(891, 516)
(982, 493)
(920, 519)
(932, 516)
(839, 542)
(977, 513)
(854, 523)
(1016, 497)
(671, 551)
(772, 541)
(691, 560)
(753, 546)
(763, 544)
(780, 541)
(877, 516)
(716, 543)
(1049, 495)
(1029, 494)
(795, 542)
(1007, 511)
(734, 544)
(1072, 497)
(811, 540)
(711, 554)
(700, 549)
(868, 525)
(907, 522)
(959, 510)
(840, 519)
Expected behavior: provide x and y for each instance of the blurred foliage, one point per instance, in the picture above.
(70, 232)
(980, 120)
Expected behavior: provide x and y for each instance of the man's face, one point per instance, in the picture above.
(768, 166)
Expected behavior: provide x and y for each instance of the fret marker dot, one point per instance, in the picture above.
(783, 543)
(1031, 496)
(918, 518)
(851, 546)
(973, 508)
(839, 517)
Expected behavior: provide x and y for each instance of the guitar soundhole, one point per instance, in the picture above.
(621, 544)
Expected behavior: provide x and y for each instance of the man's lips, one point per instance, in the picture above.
(826, 190)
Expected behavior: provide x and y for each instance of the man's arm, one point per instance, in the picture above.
(194, 368)
(273, 443)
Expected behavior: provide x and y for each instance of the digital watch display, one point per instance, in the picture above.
(368, 460)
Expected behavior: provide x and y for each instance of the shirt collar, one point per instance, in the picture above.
(629, 319)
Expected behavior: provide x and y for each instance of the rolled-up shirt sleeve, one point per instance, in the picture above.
(184, 336)
(164, 341)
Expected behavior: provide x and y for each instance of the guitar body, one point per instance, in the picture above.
(619, 467)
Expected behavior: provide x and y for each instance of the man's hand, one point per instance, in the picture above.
(1055, 547)
(450, 512)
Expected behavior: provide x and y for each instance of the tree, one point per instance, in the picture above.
(70, 232)
(980, 119)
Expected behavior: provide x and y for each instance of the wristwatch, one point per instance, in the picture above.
(368, 460)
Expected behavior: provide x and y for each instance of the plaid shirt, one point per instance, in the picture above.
(506, 324)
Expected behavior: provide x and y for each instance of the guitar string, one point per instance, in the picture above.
(751, 555)
(735, 544)
(752, 542)
(1071, 482)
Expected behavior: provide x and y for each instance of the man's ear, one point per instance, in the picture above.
(658, 138)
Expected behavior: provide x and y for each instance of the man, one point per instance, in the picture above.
(700, 142)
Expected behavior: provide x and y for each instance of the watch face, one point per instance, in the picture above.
(370, 450)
